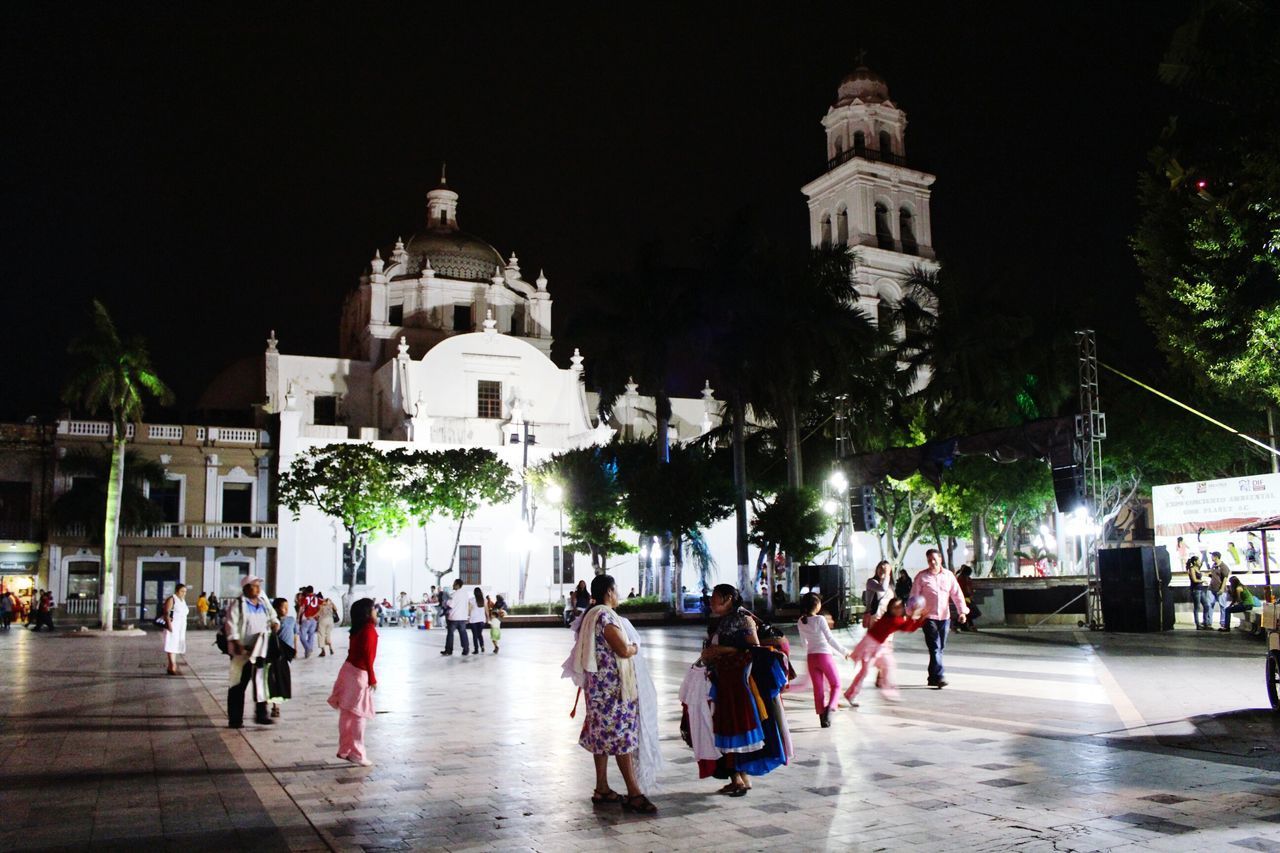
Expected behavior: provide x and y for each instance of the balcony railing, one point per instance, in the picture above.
(165, 432)
(866, 154)
(186, 531)
(81, 606)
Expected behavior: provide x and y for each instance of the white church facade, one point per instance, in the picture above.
(445, 344)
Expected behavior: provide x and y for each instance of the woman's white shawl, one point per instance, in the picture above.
(581, 660)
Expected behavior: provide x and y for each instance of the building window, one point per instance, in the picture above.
(886, 145)
(489, 399)
(444, 218)
(907, 230)
(859, 143)
(462, 318)
(15, 509)
(360, 568)
(824, 235)
(395, 315)
(842, 227)
(237, 503)
(561, 569)
(469, 564)
(884, 233)
(82, 579)
(324, 410)
(517, 321)
(168, 497)
(884, 314)
(229, 574)
(838, 148)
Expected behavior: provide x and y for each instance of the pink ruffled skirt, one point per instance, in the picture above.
(351, 691)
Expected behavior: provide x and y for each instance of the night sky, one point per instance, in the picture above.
(212, 174)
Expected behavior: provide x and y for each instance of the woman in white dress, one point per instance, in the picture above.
(175, 627)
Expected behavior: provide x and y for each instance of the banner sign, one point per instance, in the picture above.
(1206, 513)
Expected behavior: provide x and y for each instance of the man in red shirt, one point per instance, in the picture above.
(308, 611)
(939, 589)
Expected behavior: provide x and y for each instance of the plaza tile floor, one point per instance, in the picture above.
(1051, 740)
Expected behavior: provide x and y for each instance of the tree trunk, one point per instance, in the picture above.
(795, 466)
(352, 560)
(677, 573)
(453, 556)
(111, 532)
(937, 538)
(739, 414)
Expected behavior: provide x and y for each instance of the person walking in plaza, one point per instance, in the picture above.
(1219, 589)
(249, 621)
(821, 646)
(1242, 600)
(284, 648)
(202, 610)
(456, 620)
(477, 619)
(1201, 597)
(215, 612)
(621, 707)
(876, 649)
(902, 587)
(964, 577)
(175, 627)
(877, 593)
(308, 616)
(6, 609)
(44, 611)
(326, 618)
(497, 612)
(352, 694)
(939, 589)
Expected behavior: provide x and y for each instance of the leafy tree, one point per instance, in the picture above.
(592, 502)
(455, 483)
(792, 522)
(84, 504)
(1207, 240)
(998, 496)
(673, 500)
(356, 484)
(114, 375)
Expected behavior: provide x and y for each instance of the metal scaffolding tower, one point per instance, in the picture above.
(1091, 429)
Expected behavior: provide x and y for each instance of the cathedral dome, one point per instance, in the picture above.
(453, 254)
(864, 85)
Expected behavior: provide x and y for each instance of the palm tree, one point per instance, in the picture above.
(112, 375)
(83, 506)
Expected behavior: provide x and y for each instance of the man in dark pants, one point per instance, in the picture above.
(248, 618)
(456, 621)
(939, 589)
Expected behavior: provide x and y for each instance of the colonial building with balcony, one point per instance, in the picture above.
(214, 521)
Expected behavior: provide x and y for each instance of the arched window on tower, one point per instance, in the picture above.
(842, 227)
(837, 148)
(859, 144)
(884, 233)
(884, 313)
(907, 231)
(886, 145)
(824, 238)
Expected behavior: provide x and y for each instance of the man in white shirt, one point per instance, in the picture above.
(247, 618)
(939, 589)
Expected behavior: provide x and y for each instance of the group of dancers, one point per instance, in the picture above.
(732, 712)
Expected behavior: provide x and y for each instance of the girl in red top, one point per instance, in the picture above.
(874, 650)
(352, 693)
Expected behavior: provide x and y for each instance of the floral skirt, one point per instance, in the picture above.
(612, 723)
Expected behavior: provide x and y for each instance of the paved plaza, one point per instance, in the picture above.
(1052, 740)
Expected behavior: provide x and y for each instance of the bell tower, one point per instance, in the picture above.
(868, 198)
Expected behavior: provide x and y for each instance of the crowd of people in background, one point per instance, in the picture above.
(1214, 589)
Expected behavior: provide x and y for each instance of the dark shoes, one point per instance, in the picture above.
(446, 653)
(824, 719)
(939, 683)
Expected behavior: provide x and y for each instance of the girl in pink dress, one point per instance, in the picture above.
(352, 693)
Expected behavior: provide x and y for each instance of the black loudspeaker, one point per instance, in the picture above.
(1135, 584)
(862, 508)
(1068, 477)
(825, 580)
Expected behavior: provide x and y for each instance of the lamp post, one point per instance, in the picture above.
(555, 496)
